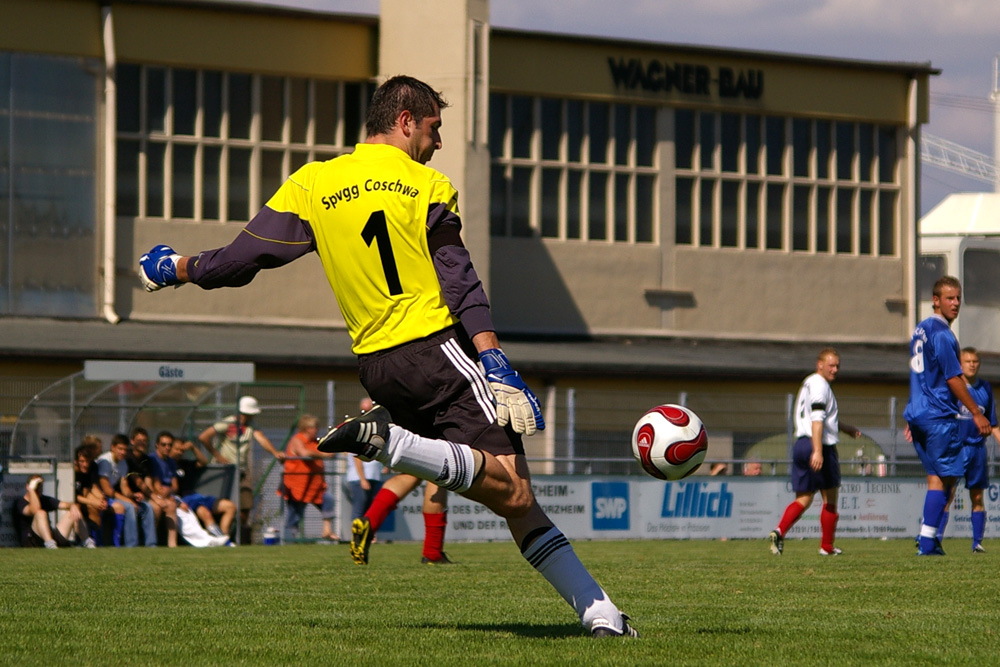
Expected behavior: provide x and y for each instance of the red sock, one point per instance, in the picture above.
(434, 525)
(382, 506)
(828, 523)
(791, 515)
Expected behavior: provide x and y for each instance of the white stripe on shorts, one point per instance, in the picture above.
(469, 370)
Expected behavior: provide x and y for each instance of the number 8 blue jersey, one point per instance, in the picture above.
(933, 360)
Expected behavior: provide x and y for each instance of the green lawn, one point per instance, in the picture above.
(695, 602)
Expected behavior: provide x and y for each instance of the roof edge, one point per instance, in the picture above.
(910, 68)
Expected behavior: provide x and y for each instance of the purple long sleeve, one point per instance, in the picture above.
(460, 284)
(270, 240)
(273, 239)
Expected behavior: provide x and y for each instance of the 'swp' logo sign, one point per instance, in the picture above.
(610, 506)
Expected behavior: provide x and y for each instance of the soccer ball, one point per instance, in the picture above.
(669, 442)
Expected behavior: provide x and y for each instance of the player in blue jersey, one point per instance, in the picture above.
(974, 447)
(937, 388)
(451, 410)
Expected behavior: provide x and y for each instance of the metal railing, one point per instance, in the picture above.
(589, 430)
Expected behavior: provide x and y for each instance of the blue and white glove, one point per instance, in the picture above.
(158, 268)
(515, 402)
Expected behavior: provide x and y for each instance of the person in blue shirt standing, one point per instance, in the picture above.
(937, 388)
(974, 447)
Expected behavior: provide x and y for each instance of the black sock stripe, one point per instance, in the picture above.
(539, 558)
(555, 544)
(460, 468)
(532, 536)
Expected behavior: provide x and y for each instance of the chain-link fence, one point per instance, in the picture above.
(589, 432)
(589, 429)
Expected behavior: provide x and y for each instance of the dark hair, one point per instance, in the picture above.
(946, 281)
(82, 449)
(119, 439)
(138, 430)
(399, 94)
(162, 434)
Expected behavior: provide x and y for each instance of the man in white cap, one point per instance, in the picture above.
(229, 441)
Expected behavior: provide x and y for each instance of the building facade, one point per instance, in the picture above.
(640, 212)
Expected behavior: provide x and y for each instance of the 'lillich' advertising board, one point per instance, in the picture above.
(697, 508)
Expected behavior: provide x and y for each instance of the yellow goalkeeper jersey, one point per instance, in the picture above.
(368, 212)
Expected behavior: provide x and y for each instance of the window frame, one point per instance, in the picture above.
(617, 220)
(779, 174)
(292, 152)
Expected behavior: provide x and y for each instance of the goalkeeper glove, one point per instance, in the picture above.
(515, 402)
(158, 268)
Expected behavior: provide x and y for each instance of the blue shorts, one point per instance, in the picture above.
(976, 475)
(807, 480)
(939, 446)
(196, 500)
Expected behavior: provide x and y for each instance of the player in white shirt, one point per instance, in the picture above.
(815, 465)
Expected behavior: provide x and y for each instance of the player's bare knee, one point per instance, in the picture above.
(519, 502)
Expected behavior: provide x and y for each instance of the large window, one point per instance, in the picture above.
(569, 169)
(48, 184)
(209, 145)
(790, 184)
(980, 277)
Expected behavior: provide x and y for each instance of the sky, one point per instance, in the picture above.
(959, 37)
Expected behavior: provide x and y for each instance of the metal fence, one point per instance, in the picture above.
(589, 430)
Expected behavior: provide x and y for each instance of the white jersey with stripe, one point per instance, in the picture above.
(816, 403)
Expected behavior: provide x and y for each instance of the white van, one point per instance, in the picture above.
(961, 237)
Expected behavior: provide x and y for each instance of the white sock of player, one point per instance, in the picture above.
(450, 465)
(553, 556)
(191, 530)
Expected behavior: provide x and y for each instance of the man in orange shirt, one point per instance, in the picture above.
(303, 482)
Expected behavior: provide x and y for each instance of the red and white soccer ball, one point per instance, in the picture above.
(669, 442)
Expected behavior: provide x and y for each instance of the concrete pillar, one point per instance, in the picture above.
(446, 44)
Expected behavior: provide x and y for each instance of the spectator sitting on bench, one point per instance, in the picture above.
(31, 520)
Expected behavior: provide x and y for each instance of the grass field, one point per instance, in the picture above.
(695, 602)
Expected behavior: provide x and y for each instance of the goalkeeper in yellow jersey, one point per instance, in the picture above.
(387, 230)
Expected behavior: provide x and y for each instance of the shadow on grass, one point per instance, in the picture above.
(552, 631)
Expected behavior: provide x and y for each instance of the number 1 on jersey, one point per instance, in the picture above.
(377, 229)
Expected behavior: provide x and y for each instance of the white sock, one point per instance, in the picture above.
(191, 529)
(449, 465)
(553, 556)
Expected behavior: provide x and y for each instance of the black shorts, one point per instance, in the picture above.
(435, 388)
(34, 540)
